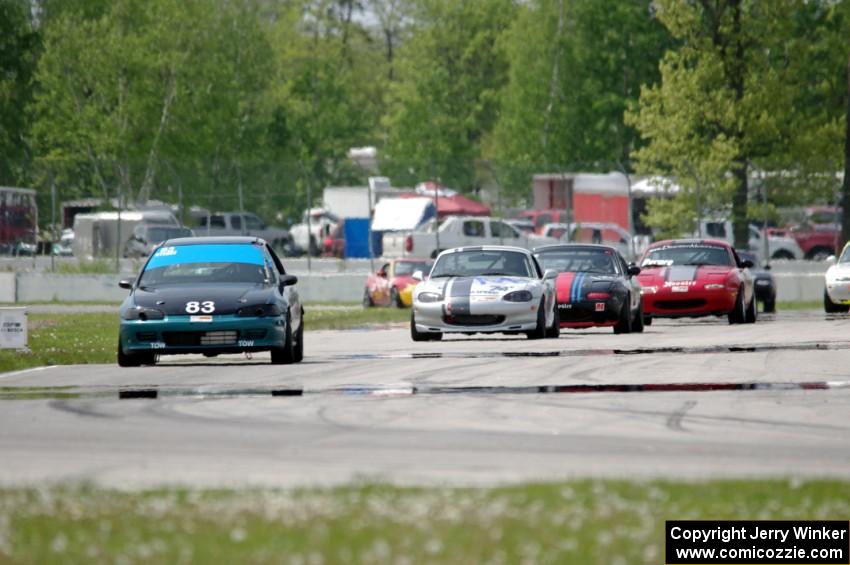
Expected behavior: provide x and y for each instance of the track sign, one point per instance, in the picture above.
(13, 328)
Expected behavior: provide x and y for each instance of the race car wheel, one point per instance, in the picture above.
(395, 298)
(555, 331)
(739, 313)
(638, 322)
(539, 332)
(285, 354)
(416, 335)
(367, 299)
(770, 306)
(624, 324)
(647, 320)
(298, 349)
(752, 312)
(134, 359)
(831, 307)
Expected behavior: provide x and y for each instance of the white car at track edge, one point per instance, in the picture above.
(486, 289)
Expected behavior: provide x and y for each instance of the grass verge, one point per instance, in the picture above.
(573, 522)
(70, 339)
(805, 305)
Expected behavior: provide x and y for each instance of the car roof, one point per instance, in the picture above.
(215, 240)
(556, 246)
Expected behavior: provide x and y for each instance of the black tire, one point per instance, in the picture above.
(752, 311)
(739, 312)
(770, 306)
(782, 254)
(298, 349)
(313, 247)
(555, 331)
(831, 307)
(647, 320)
(134, 359)
(624, 324)
(367, 299)
(395, 298)
(539, 332)
(416, 335)
(637, 323)
(284, 355)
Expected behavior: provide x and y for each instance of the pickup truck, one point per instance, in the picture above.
(463, 231)
(246, 223)
(781, 246)
(311, 239)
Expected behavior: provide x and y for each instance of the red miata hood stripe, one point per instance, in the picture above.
(563, 286)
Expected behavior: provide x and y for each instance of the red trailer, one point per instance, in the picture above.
(582, 197)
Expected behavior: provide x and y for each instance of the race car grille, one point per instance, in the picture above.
(190, 339)
(145, 336)
(473, 320)
(219, 338)
(254, 334)
(680, 304)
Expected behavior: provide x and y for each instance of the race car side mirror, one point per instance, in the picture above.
(550, 274)
(418, 276)
(746, 264)
(831, 259)
(633, 270)
(126, 283)
(287, 280)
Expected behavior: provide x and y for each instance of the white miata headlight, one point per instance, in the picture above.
(430, 297)
(518, 296)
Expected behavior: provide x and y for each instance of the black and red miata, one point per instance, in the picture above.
(595, 286)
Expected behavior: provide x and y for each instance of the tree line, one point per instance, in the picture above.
(203, 100)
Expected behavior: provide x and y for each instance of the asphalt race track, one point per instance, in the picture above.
(685, 399)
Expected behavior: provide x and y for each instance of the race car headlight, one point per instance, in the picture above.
(430, 297)
(648, 289)
(518, 296)
(762, 282)
(259, 311)
(715, 286)
(142, 313)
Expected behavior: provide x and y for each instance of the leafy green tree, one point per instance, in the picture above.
(445, 100)
(569, 87)
(732, 100)
(19, 44)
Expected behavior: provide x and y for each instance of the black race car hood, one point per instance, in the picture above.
(226, 298)
(573, 286)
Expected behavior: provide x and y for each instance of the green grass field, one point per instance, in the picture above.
(611, 522)
(68, 339)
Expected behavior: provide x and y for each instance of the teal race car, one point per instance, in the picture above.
(211, 295)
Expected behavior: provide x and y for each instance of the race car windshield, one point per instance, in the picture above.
(403, 268)
(201, 264)
(845, 256)
(687, 255)
(578, 260)
(482, 263)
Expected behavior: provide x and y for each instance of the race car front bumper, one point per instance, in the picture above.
(220, 334)
(590, 313)
(838, 291)
(692, 303)
(491, 316)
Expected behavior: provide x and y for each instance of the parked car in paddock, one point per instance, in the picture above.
(595, 286)
(147, 236)
(836, 292)
(393, 283)
(487, 289)
(211, 295)
(765, 284)
(696, 277)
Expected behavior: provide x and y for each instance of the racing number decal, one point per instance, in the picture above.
(194, 307)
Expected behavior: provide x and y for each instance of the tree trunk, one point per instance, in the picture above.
(845, 189)
(555, 78)
(740, 226)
